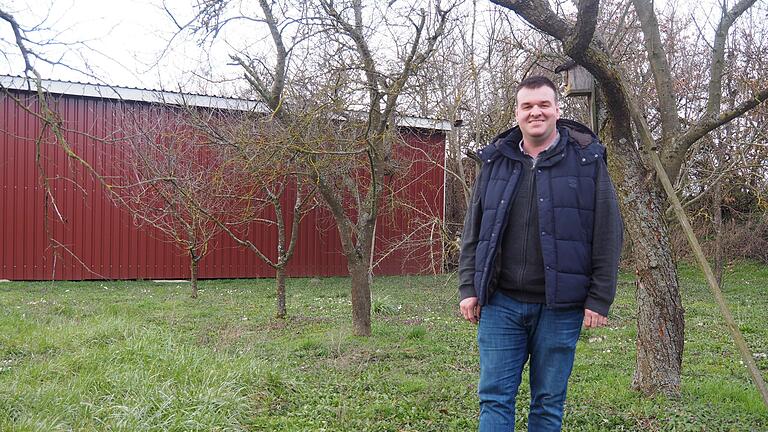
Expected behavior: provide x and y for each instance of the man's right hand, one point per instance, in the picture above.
(470, 310)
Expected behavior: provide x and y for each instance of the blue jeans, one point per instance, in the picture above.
(509, 333)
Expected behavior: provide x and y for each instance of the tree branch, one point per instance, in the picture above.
(254, 79)
(662, 76)
(708, 124)
(672, 156)
(718, 54)
(540, 15)
(585, 26)
(20, 41)
(369, 65)
(278, 83)
(415, 58)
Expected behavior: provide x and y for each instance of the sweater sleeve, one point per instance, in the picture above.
(469, 238)
(607, 239)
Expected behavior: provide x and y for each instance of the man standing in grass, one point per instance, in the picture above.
(539, 256)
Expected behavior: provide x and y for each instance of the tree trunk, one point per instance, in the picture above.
(193, 261)
(356, 241)
(660, 322)
(280, 281)
(361, 296)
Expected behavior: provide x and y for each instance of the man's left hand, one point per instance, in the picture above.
(593, 319)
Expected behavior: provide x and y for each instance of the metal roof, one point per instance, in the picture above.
(104, 91)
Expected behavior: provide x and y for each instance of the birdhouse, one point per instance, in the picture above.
(578, 81)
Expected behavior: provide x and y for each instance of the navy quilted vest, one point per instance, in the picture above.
(565, 186)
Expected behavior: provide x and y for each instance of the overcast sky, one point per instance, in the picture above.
(123, 40)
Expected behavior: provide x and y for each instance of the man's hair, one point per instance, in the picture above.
(536, 81)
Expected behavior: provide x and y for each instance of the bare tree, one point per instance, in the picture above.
(341, 102)
(627, 132)
(264, 165)
(170, 179)
(262, 145)
(375, 135)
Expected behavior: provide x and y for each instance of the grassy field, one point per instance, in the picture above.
(141, 356)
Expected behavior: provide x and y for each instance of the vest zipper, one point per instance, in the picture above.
(532, 201)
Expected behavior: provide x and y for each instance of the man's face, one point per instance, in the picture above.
(537, 113)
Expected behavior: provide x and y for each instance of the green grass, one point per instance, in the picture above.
(139, 356)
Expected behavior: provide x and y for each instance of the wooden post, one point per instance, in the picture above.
(741, 344)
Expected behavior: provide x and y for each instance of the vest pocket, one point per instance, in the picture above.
(571, 288)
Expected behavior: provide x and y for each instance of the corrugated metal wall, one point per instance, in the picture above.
(85, 236)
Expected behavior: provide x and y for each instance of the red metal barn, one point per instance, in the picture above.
(86, 236)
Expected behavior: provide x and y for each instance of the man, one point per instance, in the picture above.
(539, 256)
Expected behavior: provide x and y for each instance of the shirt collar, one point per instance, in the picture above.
(552, 144)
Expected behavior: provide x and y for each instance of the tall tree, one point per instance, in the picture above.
(627, 132)
(375, 134)
(341, 101)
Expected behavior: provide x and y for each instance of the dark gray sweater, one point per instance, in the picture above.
(521, 273)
